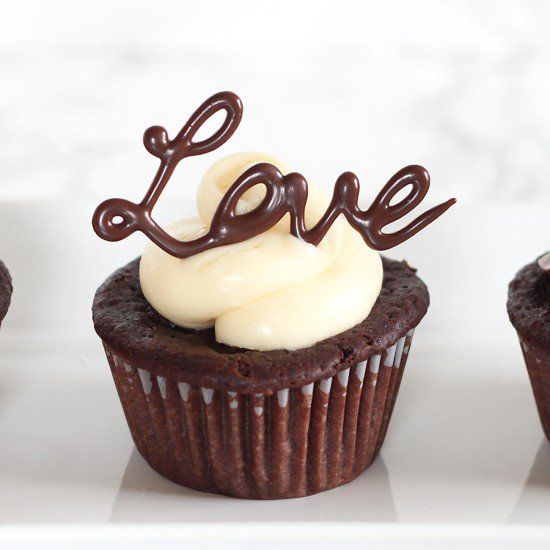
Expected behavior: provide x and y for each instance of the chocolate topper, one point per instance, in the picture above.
(116, 219)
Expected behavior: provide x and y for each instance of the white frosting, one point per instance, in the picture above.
(544, 262)
(272, 291)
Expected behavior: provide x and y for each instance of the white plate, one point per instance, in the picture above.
(465, 458)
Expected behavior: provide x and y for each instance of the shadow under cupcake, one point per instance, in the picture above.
(529, 311)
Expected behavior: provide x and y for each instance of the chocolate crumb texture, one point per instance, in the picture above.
(529, 305)
(132, 329)
(6, 289)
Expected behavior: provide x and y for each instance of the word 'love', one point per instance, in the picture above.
(116, 219)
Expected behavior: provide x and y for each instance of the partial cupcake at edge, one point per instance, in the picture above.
(5, 291)
(529, 312)
(258, 348)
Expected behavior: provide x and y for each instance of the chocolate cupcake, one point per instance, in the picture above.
(529, 312)
(254, 357)
(5, 291)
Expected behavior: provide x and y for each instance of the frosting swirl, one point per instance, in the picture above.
(273, 291)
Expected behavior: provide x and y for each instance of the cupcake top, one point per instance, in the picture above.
(529, 302)
(270, 263)
(131, 327)
(5, 290)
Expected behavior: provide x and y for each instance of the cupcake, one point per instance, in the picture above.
(5, 291)
(255, 357)
(529, 312)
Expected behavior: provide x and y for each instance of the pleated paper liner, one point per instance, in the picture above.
(537, 360)
(292, 443)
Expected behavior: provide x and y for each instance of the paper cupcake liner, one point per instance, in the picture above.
(290, 443)
(537, 360)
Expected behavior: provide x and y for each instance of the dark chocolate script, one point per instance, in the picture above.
(116, 219)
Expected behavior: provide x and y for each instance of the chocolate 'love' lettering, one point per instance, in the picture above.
(116, 219)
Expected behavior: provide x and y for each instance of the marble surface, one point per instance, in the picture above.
(369, 86)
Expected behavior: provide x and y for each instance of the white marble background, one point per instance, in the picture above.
(460, 87)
